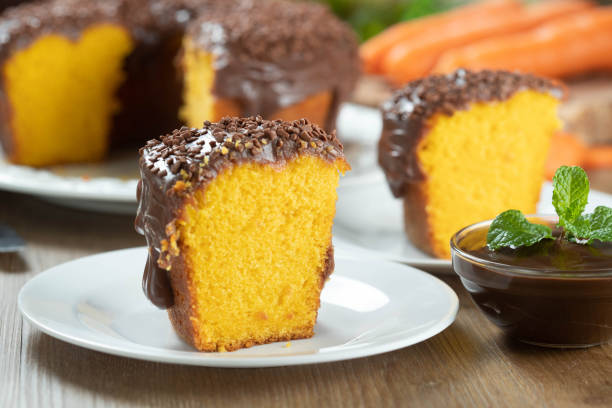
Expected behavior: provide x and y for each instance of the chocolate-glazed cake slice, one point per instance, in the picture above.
(463, 147)
(280, 60)
(238, 218)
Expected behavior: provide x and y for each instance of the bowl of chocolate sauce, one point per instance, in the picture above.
(555, 293)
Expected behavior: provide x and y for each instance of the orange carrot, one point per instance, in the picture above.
(547, 10)
(416, 58)
(565, 46)
(565, 150)
(598, 157)
(373, 50)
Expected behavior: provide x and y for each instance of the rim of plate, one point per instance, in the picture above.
(228, 360)
(45, 183)
(375, 254)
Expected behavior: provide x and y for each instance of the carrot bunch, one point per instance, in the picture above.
(549, 38)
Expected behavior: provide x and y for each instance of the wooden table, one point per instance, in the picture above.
(469, 364)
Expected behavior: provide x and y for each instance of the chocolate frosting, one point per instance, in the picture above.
(175, 165)
(272, 54)
(20, 26)
(146, 20)
(406, 114)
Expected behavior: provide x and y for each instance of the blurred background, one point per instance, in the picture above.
(528, 43)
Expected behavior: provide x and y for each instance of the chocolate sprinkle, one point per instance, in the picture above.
(421, 99)
(208, 146)
(406, 114)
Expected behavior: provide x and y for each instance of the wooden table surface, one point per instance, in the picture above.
(469, 364)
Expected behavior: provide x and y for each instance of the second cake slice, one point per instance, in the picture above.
(463, 147)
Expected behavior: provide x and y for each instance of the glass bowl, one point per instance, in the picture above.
(545, 306)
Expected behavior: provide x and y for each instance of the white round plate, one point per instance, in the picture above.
(367, 307)
(108, 186)
(370, 219)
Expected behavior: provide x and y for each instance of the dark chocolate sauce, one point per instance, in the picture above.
(554, 256)
(555, 293)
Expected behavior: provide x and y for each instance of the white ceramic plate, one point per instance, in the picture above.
(367, 307)
(109, 186)
(369, 218)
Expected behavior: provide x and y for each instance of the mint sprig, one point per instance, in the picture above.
(570, 196)
(511, 229)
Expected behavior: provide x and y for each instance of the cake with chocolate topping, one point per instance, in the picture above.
(238, 218)
(82, 76)
(277, 60)
(461, 148)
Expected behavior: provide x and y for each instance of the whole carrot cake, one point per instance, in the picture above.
(81, 76)
(238, 218)
(463, 147)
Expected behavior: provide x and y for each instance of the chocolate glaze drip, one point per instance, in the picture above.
(406, 114)
(174, 166)
(156, 283)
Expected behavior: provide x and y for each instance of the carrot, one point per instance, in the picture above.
(598, 157)
(565, 150)
(373, 50)
(544, 11)
(565, 46)
(416, 58)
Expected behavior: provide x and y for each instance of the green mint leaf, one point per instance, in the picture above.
(511, 229)
(570, 194)
(600, 224)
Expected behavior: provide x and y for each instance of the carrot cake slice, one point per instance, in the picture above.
(238, 219)
(463, 147)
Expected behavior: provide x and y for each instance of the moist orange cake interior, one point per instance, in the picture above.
(485, 159)
(255, 242)
(63, 113)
